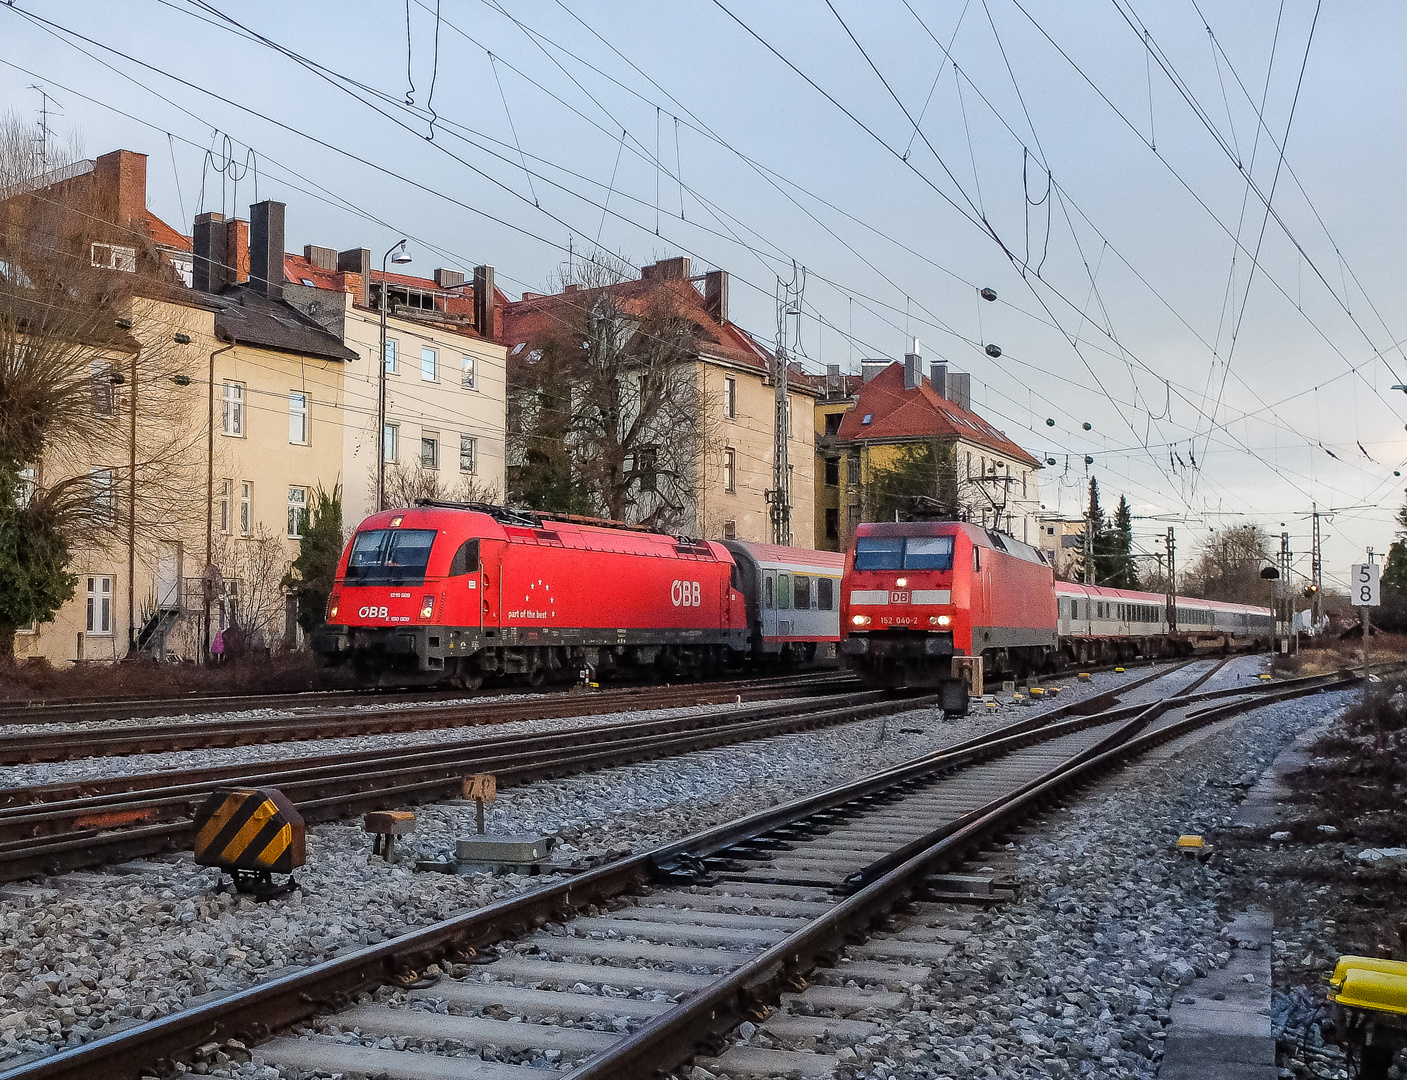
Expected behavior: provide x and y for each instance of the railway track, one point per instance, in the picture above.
(66, 744)
(632, 968)
(53, 828)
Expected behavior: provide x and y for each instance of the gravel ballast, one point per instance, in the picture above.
(85, 951)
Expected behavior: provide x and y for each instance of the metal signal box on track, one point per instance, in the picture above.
(251, 834)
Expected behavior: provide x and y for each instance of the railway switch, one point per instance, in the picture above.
(251, 834)
(385, 826)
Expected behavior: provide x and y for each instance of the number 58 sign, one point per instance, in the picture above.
(1363, 585)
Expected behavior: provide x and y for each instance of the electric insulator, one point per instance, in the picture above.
(1087, 426)
(1089, 460)
(1050, 461)
(1049, 422)
(989, 295)
(994, 351)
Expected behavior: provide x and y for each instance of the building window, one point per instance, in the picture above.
(298, 418)
(647, 470)
(832, 525)
(467, 377)
(297, 511)
(832, 472)
(1023, 483)
(730, 397)
(104, 394)
(969, 464)
(730, 470)
(1050, 531)
(232, 409)
(391, 443)
(430, 450)
(730, 530)
(115, 257)
(104, 495)
(226, 498)
(852, 470)
(390, 358)
(468, 454)
(99, 605)
(246, 507)
(833, 423)
(429, 365)
(791, 471)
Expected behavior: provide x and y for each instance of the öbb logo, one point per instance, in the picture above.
(684, 593)
(372, 613)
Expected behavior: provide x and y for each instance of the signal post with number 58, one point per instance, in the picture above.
(1364, 592)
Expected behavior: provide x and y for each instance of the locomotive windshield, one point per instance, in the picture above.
(928, 553)
(901, 553)
(390, 557)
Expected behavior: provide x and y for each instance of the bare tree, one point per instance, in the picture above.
(251, 572)
(408, 484)
(606, 406)
(100, 430)
(1228, 565)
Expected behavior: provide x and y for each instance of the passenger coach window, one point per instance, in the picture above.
(783, 592)
(390, 557)
(879, 553)
(928, 553)
(824, 593)
(767, 594)
(466, 559)
(801, 592)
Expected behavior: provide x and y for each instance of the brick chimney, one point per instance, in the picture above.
(357, 261)
(122, 181)
(666, 269)
(266, 248)
(208, 270)
(716, 294)
(912, 368)
(237, 251)
(485, 313)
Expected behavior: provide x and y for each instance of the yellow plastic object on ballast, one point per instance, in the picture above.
(1378, 991)
(1365, 963)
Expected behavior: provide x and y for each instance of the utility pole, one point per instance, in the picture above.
(1286, 602)
(779, 497)
(1316, 573)
(1171, 550)
(1089, 546)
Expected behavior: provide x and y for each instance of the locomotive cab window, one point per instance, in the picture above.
(928, 553)
(879, 553)
(801, 592)
(466, 559)
(390, 557)
(825, 593)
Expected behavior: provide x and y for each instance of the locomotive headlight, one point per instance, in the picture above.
(332, 613)
(860, 620)
(944, 620)
(427, 607)
(901, 582)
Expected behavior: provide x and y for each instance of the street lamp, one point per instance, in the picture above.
(400, 256)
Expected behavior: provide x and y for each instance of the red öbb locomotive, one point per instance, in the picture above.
(464, 592)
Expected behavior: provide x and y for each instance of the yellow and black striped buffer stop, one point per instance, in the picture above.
(255, 829)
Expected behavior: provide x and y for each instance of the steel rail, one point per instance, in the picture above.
(30, 747)
(163, 824)
(253, 1014)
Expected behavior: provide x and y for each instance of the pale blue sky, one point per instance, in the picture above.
(759, 153)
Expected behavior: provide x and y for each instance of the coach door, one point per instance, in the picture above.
(784, 612)
(769, 603)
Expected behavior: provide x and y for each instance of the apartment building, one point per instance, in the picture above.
(864, 425)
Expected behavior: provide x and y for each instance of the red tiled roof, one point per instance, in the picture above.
(898, 414)
(162, 233)
(297, 268)
(543, 317)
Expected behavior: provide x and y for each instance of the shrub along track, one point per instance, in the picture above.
(723, 921)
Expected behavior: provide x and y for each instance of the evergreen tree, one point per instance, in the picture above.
(312, 574)
(1393, 613)
(34, 581)
(1092, 536)
(1122, 572)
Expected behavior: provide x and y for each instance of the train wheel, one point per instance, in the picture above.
(537, 676)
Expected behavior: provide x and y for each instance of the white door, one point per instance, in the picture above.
(769, 603)
(168, 576)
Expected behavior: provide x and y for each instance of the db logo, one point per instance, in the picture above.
(372, 613)
(684, 593)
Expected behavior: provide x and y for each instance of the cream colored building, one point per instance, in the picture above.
(445, 382)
